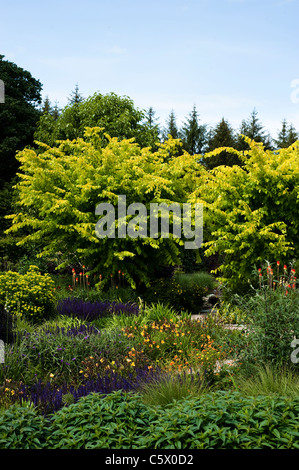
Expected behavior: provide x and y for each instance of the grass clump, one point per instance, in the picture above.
(269, 379)
(173, 387)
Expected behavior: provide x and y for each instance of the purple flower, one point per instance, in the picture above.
(93, 310)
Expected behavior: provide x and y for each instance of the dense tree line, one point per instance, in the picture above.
(25, 118)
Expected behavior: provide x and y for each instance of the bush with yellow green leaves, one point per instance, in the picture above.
(251, 212)
(29, 295)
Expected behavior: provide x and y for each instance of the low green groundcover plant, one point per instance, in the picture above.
(217, 420)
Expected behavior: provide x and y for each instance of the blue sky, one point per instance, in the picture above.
(226, 57)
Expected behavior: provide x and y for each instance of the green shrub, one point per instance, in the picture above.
(215, 420)
(225, 420)
(21, 427)
(29, 295)
(197, 279)
(157, 312)
(274, 322)
(96, 421)
(186, 296)
(219, 420)
(120, 294)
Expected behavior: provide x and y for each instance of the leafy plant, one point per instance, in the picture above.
(197, 279)
(273, 324)
(187, 296)
(65, 184)
(22, 427)
(251, 211)
(29, 295)
(120, 420)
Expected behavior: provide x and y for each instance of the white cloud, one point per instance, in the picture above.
(117, 50)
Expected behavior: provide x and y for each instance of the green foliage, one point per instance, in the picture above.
(29, 295)
(218, 420)
(120, 294)
(115, 114)
(158, 311)
(183, 292)
(251, 213)
(221, 136)
(274, 322)
(18, 115)
(270, 380)
(48, 349)
(287, 136)
(171, 128)
(60, 188)
(111, 422)
(254, 130)
(193, 134)
(225, 420)
(21, 427)
(171, 388)
(197, 279)
(229, 313)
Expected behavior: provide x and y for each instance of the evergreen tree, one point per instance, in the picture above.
(171, 128)
(287, 135)
(151, 122)
(46, 107)
(56, 112)
(293, 135)
(150, 118)
(253, 129)
(193, 134)
(74, 101)
(76, 96)
(221, 136)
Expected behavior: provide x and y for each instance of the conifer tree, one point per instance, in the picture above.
(56, 112)
(151, 122)
(221, 136)
(76, 96)
(193, 134)
(253, 129)
(287, 135)
(171, 127)
(46, 108)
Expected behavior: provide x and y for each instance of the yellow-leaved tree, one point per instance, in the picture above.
(60, 187)
(251, 213)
